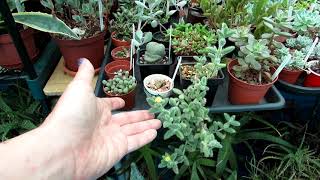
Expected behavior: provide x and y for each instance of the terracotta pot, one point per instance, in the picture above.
(9, 57)
(117, 49)
(117, 42)
(312, 79)
(241, 92)
(290, 76)
(91, 48)
(115, 66)
(128, 98)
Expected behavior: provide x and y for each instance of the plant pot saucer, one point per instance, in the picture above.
(73, 73)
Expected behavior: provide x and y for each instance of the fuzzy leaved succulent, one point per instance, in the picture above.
(240, 36)
(121, 84)
(299, 42)
(155, 52)
(296, 59)
(185, 117)
(306, 22)
(254, 56)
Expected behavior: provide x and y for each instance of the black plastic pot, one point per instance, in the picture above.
(195, 15)
(213, 85)
(160, 38)
(148, 69)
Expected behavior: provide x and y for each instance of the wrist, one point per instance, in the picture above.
(38, 154)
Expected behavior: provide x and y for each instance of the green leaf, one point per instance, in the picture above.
(261, 136)
(150, 163)
(177, 91)
(140, 4)
(169, 134)
(223, 156)
(233, 176)
(202, 172)
(206, 162)
(135, 173)
(3, 106)
(27, 125)
(44, 22)
(194, 173)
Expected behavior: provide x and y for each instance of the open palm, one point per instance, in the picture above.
(97, 138)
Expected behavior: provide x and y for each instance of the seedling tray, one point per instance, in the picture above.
(298, 88)
(272, 101)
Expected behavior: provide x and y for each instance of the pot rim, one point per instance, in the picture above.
(116, 49)
(244, 82)
(115, 63)
(81, 42)
(24, 33)
(160, 76)
(310, 63)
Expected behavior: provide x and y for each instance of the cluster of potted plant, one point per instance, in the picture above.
(77, 27)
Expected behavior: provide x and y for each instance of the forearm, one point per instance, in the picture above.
(34, 156)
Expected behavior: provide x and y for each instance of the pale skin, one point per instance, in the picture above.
(80, 139)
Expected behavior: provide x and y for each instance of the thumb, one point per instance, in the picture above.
(85, 72)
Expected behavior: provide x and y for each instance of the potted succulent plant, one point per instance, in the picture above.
(9, 56)
(212, 69)
(121, 53)
(250, 75)
(154, 60)
(77, 26)
(158, 85)
(191, 40)
(121, 26)
(294, 68)
(122, 85)
(313, 77)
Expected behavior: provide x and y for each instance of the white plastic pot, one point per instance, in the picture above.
(155, 77)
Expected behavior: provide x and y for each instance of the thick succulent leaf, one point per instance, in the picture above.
(44, 22)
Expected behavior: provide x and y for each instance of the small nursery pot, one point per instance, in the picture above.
(213, 84)
(91, 48)
(241, 92)
(9, 57)
(312, 79)
(117, 49)
(129, 99)
(148, 69)
(117, 42)
(290, 76)
(156, 93)
(195, 15)
(115, 66)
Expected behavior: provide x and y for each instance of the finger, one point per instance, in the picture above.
(131, 117)
(137, 141)
(85, 72)
(113, 103)
(139, 127)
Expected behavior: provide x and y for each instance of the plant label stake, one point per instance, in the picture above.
(315, 42)
(176, 70)
(100, 15)
(282, 65)
(170, 41)
(132, 50)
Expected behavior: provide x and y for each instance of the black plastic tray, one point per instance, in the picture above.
(272, 101)
(298, 88)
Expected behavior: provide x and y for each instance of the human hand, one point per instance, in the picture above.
(96, 138)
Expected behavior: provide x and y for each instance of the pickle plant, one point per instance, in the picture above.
(121, 84)
(186, 118)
